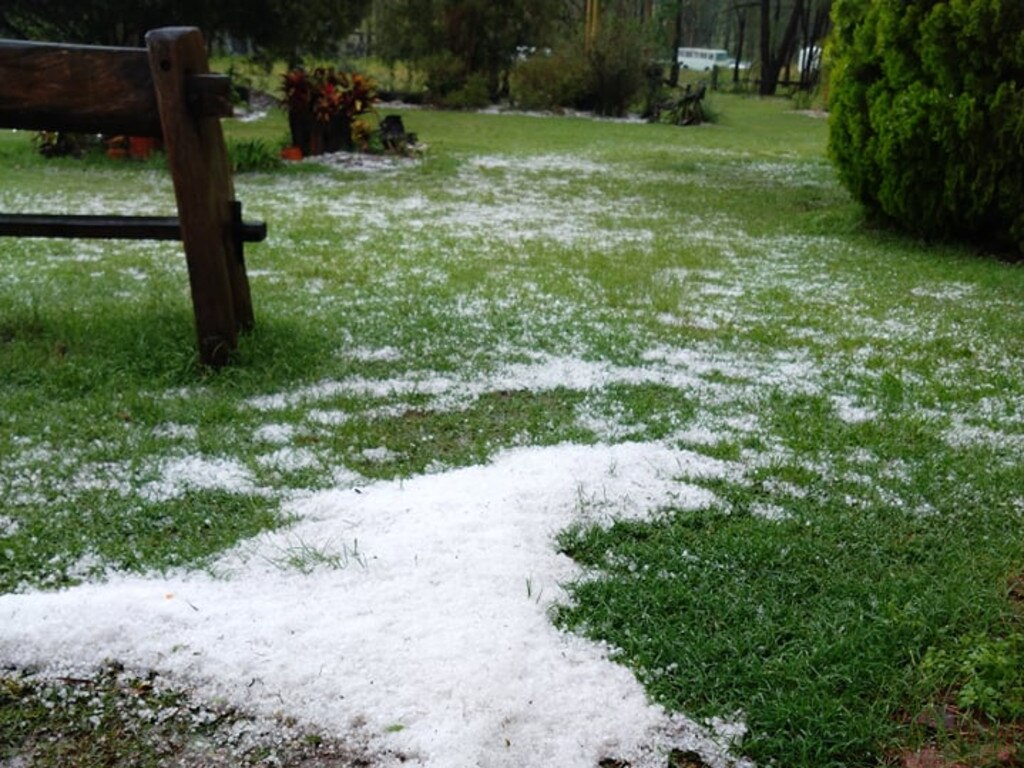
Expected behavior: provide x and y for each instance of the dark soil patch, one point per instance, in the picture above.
(116, 719)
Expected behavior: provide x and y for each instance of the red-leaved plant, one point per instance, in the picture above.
(323, 105)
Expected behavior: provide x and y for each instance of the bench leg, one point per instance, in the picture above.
(198, 161)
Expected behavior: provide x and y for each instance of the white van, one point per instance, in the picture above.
(809, 59)
(704, 59)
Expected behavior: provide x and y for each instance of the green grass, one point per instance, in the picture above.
(865, 389)
(826, 613)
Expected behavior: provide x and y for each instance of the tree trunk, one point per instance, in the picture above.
(677, 42)
(767, 86)
(591, 23)
(741, 36)
(772, 61)
(813, 32)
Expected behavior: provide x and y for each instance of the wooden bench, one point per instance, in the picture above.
(163, 90)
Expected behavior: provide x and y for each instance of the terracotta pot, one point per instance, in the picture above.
(141, 147)
(291, 153)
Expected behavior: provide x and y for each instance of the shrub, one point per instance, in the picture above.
(927, 114)
(549, 81)
(616, 69)
(988, 674)
(242, 85)
(606, 79)
(63, 144)
(443, 75)
(252, 155)
(472, 94)
(450, 84)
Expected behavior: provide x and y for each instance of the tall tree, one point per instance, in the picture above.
(740, 11)
(677, 43)
(814, 25)
(777, 46)
(277, 27)
(592, 25)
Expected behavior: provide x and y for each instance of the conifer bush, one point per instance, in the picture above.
(927, 114)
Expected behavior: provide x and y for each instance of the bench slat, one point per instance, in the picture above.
(49, 87)
(109, 227)
(84, 89)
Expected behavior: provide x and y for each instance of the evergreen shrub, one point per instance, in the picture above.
(927, 114)
(607, 78)
(472, 94)
(548, 81)
(451, 84)
(616, 69)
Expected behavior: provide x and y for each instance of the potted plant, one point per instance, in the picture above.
(322, 107)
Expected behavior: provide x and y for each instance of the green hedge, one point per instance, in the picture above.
(927, 114)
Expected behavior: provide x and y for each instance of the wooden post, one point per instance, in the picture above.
(165, 91)
(199, 166)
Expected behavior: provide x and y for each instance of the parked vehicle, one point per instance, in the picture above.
(703, 59)
(809, 59)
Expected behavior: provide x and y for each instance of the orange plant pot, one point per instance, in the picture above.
(141, 147)
(291, 153)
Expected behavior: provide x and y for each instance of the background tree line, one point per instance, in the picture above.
(467, 48)
(271, 28)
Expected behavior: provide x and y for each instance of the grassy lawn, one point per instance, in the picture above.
(535, 281)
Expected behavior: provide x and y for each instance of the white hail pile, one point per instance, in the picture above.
(410, 617)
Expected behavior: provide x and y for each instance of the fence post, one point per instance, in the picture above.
(198, 161)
